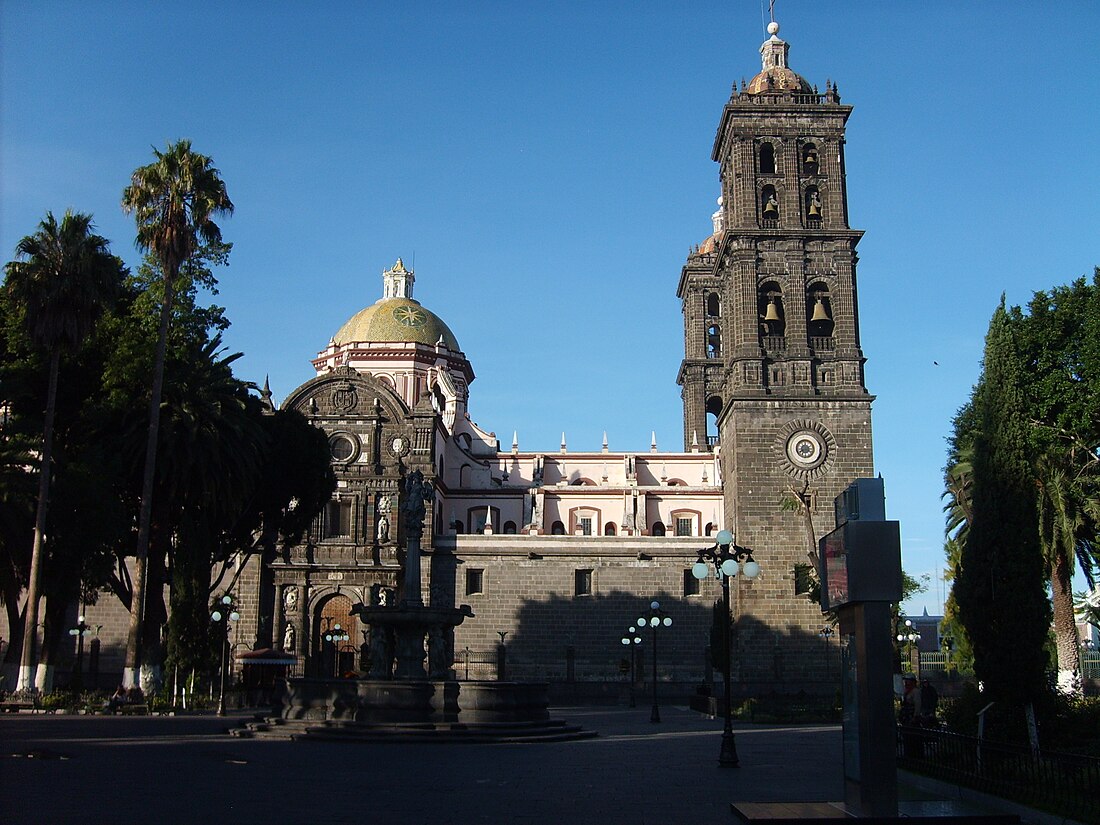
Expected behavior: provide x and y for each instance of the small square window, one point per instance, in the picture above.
(475, 581)
(586, 526)
(691, 584)
(683, 526)
(582, 583)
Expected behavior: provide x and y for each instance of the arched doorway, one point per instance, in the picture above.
(333, 656)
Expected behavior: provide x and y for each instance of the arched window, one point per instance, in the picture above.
(658, 529)
(812, 206)
(810, 161)
(714, 409)
(609, 529)
(769, 206)
(464, 476)
(509, 528)
(714, 305)
(773, 322)
(714, 341)
(819, 315)
(557, 529)
(767, 159)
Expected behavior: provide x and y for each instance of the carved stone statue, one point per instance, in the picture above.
(417, 492)
(437, 654)
(289, 638)
(381, 657)
(290, 598)
(383, 528)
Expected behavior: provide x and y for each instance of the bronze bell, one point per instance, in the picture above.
(770, 209)
(819, 312)
(814, 211)
(772, 313)
(811, 158)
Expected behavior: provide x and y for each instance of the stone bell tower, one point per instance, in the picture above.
(773, 369)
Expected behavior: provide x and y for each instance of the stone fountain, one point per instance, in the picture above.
(401, 696)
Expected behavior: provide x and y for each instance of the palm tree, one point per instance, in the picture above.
(214, 445)
(1067, 533)
(173, 201)
(65, 277)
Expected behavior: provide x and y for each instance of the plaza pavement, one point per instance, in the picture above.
(186, 769)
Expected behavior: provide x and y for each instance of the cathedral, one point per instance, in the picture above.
(558, 553)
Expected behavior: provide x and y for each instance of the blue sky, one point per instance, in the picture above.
(547, 166)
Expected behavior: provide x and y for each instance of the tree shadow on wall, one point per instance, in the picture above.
(580, 639)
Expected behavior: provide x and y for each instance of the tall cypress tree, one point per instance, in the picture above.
(999, 585)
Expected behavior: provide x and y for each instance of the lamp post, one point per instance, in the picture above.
(911, 637)
(726, 559)
(334, 635)
(633, 640)
(224, 610)
(826, 633)
(656, 618)
(81, 630)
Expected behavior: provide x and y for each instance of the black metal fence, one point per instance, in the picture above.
(1062, 783)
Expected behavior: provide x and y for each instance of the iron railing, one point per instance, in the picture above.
(1062, 783)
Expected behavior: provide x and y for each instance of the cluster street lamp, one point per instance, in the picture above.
(224, 611)
(726, 560)
(335, 635)
(81, 630)
(656, 618)
(825, 633)
(633, 640)
(910, 637)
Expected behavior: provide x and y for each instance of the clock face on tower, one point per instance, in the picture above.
(805, 449)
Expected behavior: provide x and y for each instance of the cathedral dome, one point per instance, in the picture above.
(396, 320)
(778, 79)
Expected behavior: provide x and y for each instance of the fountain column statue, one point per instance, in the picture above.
(417, 493)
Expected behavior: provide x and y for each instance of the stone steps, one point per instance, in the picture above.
(549, 730)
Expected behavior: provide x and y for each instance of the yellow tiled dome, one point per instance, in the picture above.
(396, 320)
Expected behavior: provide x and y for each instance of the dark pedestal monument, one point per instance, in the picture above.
(402, 696)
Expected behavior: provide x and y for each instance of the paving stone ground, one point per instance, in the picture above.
(187, 769)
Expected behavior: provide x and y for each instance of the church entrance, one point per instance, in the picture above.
(336, 639)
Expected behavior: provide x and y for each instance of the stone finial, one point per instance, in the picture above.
(515, 441)
(563, 442)
(605, 448)
(488, 529)
(653, 441)
(265, 397)
(694, 441)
